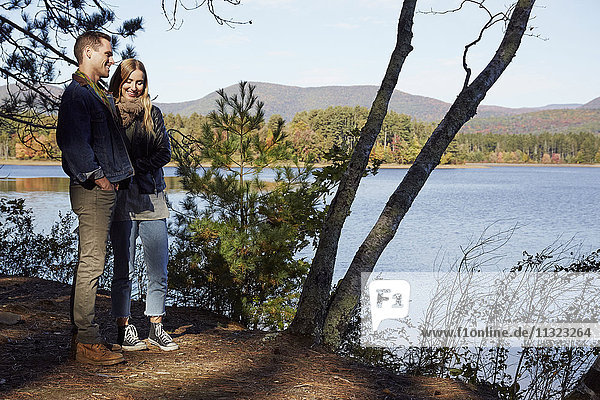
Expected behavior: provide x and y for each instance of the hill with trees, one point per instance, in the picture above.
(287, 101)
(290, 100)
(556, 121)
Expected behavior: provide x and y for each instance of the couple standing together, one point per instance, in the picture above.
(114, 145)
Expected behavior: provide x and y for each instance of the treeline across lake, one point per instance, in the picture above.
(545, 148)
(314, 133)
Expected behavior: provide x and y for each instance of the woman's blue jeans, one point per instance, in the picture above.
(153, 234)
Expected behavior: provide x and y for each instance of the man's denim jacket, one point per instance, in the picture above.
(88, 135)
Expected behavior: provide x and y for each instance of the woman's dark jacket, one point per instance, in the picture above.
(149, 153)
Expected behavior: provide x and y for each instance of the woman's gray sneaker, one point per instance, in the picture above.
(129, 340)
(159, 337)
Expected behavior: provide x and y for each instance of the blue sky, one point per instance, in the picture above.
(348, 42)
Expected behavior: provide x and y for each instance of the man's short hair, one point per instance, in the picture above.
(89, 38)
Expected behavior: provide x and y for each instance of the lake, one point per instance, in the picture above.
(550, 205)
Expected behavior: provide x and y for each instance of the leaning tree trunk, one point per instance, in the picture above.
(588, 387)
(316, 290)
(347, 294)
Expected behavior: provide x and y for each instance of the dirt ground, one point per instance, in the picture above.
(217, 359)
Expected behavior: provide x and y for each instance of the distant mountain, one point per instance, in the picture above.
(595, 104)
(54, 90)
(288, 100)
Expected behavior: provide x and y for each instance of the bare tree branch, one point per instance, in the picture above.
(493, 18)
(171, 11)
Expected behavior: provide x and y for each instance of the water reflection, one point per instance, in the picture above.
(552, 205)
(173, 183)
(34, 185)
(58, 184)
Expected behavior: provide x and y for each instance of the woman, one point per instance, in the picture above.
(141, 209)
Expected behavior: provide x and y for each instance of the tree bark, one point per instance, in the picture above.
(347, 294)
(316, 290)
(588, 387)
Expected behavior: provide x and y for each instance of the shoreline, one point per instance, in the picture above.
(383, 166)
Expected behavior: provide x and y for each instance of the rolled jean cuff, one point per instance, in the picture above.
(155, 315)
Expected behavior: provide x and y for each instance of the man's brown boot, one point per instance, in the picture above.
(97, 354)
(117, 348)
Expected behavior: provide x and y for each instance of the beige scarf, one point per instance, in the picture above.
(129, 111)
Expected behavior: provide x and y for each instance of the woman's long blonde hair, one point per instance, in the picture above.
(116, 83)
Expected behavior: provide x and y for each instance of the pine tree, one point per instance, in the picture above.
(238, 239)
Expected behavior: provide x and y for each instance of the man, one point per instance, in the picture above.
(95, 158)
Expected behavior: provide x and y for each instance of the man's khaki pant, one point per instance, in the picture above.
(93, 208)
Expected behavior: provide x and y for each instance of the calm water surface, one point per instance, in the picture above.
(549, 204)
